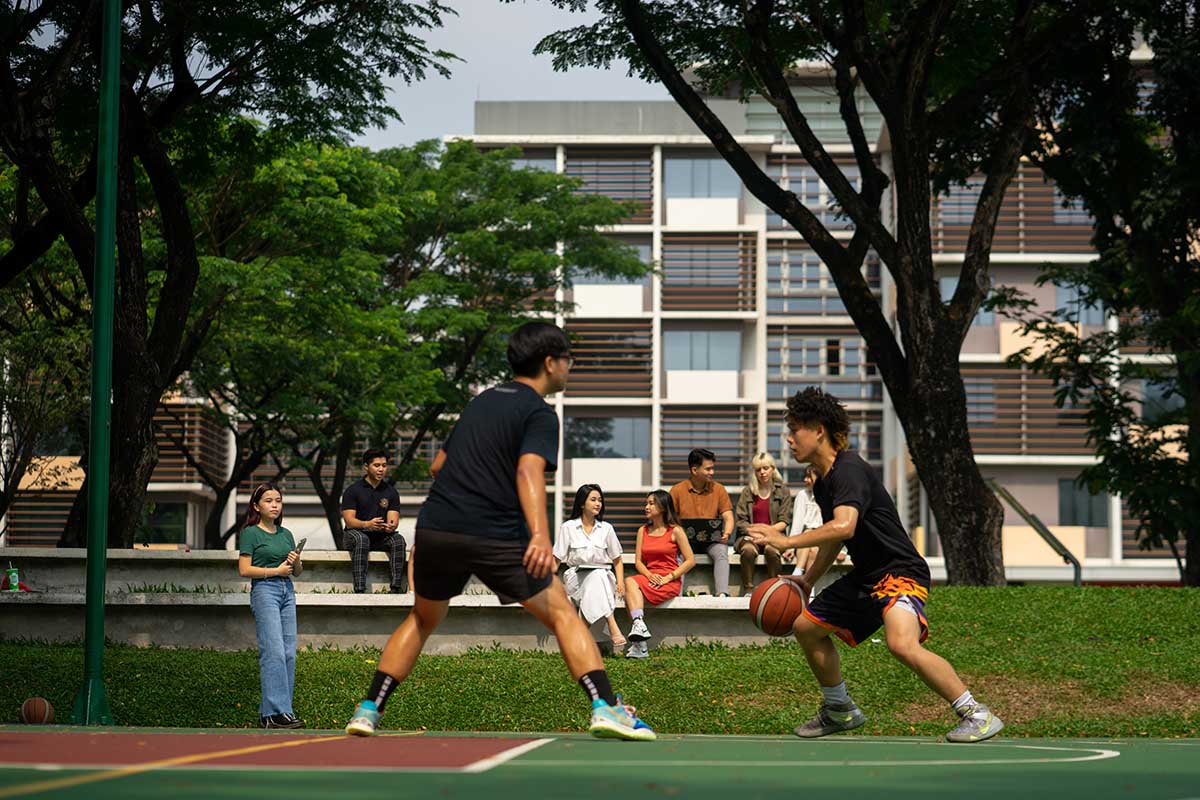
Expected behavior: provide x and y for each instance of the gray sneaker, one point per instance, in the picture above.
(977, 724)
(832, 719)
(637, 650)
(638, 632)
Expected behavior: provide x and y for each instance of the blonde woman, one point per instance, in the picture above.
(765, 505)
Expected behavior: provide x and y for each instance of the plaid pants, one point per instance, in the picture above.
(360, 545)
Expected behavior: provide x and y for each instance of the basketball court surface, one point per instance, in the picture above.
(90, 763)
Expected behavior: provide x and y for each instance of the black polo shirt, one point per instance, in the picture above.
(476, 490)
(368, 502)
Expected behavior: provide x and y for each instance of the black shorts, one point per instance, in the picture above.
(443, 562)
(854, 611)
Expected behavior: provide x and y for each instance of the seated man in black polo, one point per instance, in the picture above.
(370, 514)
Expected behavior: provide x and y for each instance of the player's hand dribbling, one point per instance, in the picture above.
(539, 556)
(801, 581)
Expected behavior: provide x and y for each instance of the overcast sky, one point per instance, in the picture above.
(496, 41)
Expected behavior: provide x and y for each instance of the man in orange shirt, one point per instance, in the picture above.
(701, 497)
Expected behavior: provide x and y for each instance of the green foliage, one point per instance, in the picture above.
(1040, 642)
(1120, 141)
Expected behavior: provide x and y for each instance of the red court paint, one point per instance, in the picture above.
(78, 749)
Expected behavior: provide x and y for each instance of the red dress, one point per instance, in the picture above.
(660, 554)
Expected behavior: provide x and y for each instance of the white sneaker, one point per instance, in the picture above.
(639, 632)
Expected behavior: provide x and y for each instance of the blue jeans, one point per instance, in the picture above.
(273, 601)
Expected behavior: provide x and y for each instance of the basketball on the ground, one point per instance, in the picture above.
(37, 711)
(775, 605)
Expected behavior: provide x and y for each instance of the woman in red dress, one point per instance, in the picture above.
(660, 544)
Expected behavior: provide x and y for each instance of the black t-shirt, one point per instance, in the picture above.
(371, 502)
(476, 490)
(879, 545)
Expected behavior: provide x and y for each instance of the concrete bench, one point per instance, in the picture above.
(156, 571)
(222, 620)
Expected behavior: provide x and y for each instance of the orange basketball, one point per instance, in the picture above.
(775, 605)
(37, 711)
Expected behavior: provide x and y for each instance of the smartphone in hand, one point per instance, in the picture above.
(300, 546)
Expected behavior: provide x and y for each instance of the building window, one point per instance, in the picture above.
(163, 523)
(1070, 308)
(700, 177)
(583, 277)
(606, 436)
(1160, 401)
(838, 364)
(1077, 507)
(702, 350)
(948, 284)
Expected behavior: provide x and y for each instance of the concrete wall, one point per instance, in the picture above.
(598, 118)
(224, 622)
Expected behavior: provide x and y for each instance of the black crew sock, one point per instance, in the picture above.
(381, 689)
(596, 684)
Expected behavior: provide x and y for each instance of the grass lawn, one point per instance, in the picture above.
(1052, 661)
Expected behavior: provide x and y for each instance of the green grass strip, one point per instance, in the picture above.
(1053, 661)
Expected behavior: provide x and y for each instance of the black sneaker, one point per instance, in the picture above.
(280, 721)
(402, 586)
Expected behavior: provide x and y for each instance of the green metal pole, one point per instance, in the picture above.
(91, 704)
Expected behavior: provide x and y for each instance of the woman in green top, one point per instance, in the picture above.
(269, 559)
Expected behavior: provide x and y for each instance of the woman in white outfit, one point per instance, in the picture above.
(589, 547)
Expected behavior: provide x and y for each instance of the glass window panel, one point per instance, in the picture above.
(677, 350)
(725, 350)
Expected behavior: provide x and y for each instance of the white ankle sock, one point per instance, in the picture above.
(964, 703)
(836, 694)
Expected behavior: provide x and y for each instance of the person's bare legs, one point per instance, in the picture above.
(837, 712)
(633, 597)
(406, 642)
(820, 651)
(903, 631)
(554, 609)
(614, 630)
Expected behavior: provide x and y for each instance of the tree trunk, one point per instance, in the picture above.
(214, 536)
(969, 516)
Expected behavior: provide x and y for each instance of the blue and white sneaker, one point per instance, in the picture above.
(365, 718)
(618, 722)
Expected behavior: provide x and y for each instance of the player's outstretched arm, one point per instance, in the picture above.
(531, 491)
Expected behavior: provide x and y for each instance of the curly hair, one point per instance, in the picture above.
(812, 406)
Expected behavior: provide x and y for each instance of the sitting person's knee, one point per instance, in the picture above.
(354, 540)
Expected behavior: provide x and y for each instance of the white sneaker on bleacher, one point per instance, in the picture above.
(639, 632)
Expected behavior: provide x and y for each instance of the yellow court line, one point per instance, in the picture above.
(96, 777)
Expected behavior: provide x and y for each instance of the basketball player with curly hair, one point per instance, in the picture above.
(888, 586)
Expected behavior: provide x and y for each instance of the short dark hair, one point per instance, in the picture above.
(699, 456)
(372, 453)
(812, 406)
(531, 343)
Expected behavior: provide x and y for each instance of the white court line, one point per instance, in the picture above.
(1094, 755)
(490, 762)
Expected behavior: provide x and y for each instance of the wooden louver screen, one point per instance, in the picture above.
(612, 358)
(202, 437)
(731, 432)
(1012, 412)
(624, 174)
(1031, 218)
(708, 272)
(37, 519)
